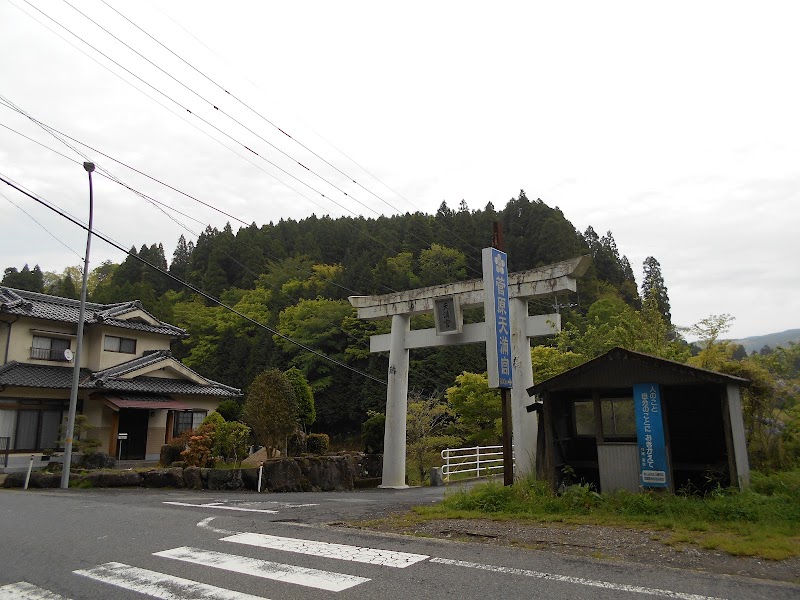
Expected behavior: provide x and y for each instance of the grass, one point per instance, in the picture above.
(763, 521)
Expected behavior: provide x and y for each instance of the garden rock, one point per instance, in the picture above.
(105, 479)
(193, 478)
(159, 478)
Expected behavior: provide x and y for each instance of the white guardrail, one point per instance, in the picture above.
(475, 461)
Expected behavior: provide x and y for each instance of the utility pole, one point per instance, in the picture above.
(76, 369)
(505, 393)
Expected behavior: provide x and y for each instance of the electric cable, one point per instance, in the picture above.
(46, 230)
(249, 108)
(294, 139)
(52, 131)
(193, 288)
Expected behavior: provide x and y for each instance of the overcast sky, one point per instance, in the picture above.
(676, 126)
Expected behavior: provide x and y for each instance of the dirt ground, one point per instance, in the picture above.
(604, 543)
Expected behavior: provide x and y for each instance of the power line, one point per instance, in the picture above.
(281, 130)
(219, 130)
(105, 173)
(190, 286)
(265, 119)
(222, 111)
(32, 218)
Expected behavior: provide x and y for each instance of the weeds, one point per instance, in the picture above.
(762, 521)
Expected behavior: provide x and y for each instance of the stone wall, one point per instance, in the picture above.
(292, 474)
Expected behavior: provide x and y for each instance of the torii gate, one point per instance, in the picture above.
(400, 306)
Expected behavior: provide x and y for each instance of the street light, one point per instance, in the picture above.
(76, 369)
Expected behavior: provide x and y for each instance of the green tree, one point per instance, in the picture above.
(181, 259)
(653, 287)
(231, 441)
(427, 423)
(230, 410)
(271, 409)
(315, 324)
(306, 412)
(477, 408)
(548, 362)
(440, 264)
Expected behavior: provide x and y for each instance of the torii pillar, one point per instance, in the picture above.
(400, 306)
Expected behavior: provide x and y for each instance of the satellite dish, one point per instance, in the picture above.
(68, 355)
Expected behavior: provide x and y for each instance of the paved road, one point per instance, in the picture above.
(184, 544)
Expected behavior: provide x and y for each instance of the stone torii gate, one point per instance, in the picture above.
(400, 306)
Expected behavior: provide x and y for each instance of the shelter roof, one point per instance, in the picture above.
(622, 368)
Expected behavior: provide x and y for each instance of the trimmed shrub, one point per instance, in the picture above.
(372, 433)
(318, 443)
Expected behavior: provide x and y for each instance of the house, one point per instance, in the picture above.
(129, 381)
(627, 420)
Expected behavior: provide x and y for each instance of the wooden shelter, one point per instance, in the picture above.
(588, 431)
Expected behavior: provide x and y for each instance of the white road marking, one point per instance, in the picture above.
(22, 590)
(206, 524)
(323, 580)
(575, 580)
(215, 505)
(386, 558)
(159, 585)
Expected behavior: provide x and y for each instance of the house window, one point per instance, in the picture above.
(584, 417)
(32, 424)
(618, 417)
(186, 420)
(119, 344)
(46, 348)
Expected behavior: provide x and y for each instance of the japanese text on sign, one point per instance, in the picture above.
(498, 328)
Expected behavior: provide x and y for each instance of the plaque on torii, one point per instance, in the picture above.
(446, 302)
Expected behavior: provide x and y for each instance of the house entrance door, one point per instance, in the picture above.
(134, 422)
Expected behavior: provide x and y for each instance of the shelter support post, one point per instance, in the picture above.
(734, 404)
(524, 424)
(394, 437)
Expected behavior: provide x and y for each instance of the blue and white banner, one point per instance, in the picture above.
(495, 308)
(653, 470)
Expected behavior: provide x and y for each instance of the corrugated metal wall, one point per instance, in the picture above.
(619, 467)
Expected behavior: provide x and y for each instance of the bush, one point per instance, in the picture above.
(372, 433)
(489, 497)
(199, 446)
(318, 443)
(214, 419)
(230, 410)
(297, 443)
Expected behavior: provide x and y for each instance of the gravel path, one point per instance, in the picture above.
(604, 543)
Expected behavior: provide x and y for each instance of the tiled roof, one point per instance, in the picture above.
(55, 308)
(133, 365)
(40, 376)
(160, 385)
(46, 376)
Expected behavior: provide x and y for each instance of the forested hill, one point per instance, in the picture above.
(294, 277)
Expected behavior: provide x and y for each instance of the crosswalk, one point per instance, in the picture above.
(156, 584)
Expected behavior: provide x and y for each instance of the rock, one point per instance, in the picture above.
(193, 478)
(327, 473)
(96, 460)
(38, 480)
(105, 479)
(284, 475)
(219, 479)
(250, 479)
(169, 454)
(159, 478)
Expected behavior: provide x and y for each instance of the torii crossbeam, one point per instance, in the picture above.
(400, 306)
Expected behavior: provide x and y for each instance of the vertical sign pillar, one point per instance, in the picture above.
(653, 470)
(525, 425)
(499, 359)
(394, 437)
